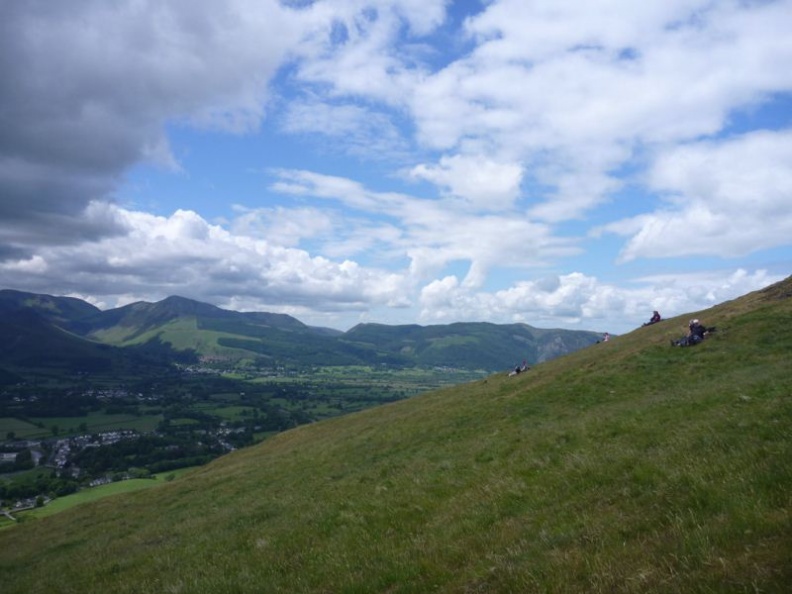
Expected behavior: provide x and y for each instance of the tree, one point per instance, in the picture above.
(24, 460)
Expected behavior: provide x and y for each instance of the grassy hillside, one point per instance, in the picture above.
(181, 333)
(628, 466)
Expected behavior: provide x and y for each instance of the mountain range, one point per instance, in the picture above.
(48, 332)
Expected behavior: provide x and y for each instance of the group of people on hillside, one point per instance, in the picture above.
(696, 333)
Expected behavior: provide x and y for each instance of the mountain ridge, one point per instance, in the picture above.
(192, 329)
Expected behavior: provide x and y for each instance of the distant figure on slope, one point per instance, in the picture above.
(654, 319)
(519, 368)
(606, 337)
(696, 333)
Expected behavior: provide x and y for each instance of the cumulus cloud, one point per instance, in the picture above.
(723, 198)
(184, 254)
(434, 233)
(574, 91)
(285, 227)
(481, 182)
(88, 89)
(577, 300)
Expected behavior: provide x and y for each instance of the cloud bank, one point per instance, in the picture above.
(545, 162)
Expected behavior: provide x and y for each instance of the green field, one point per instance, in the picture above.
(92, 494)
(22, 429)
(94, 422)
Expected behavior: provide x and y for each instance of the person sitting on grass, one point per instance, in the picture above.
(520, 369)
(696, 333)
(654, 319)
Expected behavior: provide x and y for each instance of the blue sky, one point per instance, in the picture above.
(556, 163)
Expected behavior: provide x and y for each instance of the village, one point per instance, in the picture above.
(64, 457)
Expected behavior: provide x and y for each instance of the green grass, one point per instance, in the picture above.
(629, 466)
(181, 333)
(88, 495)
(21, 429)
(183, 422)
(232, 413)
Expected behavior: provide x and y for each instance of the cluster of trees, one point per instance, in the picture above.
(153, 453)
(24, 461)
(35, 484)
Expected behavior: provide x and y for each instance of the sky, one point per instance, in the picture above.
(558, 163)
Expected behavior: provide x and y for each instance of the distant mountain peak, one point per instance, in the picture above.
(186, 306)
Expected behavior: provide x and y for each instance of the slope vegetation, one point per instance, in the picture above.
(628, 466)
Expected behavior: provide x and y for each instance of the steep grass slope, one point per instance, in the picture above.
(629, 466)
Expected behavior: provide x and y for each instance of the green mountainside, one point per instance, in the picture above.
(66, 311)
(628, 466)
(182, 329)
(42, 333)
(470, 345)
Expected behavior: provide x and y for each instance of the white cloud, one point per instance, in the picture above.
(574, 90)
(543, 115)
(361, 131)
(184, 254)
(483, 183)
(435, 233)
(161, 256)
(724, 198)
(354, 49)
(284, 227)
(577, 300)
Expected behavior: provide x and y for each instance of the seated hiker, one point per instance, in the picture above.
(696, 333)
(654, 319)
(520, 368)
